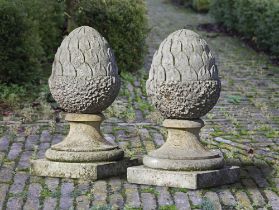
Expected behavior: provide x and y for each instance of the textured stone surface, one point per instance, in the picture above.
(184, 179)
(183, 150)
(90, 171)
(84, 74)
(187, 99)
(183, 80)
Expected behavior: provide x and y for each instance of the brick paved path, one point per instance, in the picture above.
(244, 125)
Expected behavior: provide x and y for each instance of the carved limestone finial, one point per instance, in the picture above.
(84, 75)
(183, 80)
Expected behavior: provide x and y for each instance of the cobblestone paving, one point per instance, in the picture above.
(244, 125)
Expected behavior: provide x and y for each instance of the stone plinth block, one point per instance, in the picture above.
(92, 171)
(183, 179)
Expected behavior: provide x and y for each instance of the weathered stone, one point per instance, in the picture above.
(227, 198)
(132, 199)
(243, 200)
(84, 82)
(24, 161)
(181, 201)
(19, 183)
(116, 200)
(189, 155)
(66, 200)
(273, 199)
(164, 197)
(84, 74)
(33, 201)
(148, 201)
(6, 174)
(213, 198)
(183, 80)
(3, 193)
(255, 194)
(4, 143)
(50, 204)
(195, 197)
(191, 180)
(14, 203)
(91, 171)
(183, 85)
(31, 142)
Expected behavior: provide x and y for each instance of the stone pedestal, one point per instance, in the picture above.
(183, 161)
(84, 153)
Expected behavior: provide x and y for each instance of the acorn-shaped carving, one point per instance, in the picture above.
(183, 80)
(84, 75)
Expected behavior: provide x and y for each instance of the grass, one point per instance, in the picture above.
(168, 207)
(150, 190)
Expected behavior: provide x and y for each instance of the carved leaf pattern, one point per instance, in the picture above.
(183, 56)
(84, 52)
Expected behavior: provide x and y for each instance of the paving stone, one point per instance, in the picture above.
(33, 201)
(19, 183)
(56, 139)
(66, 199)
(99, 192)
(273, 199)
(132, 195)
(148, 201)
(4, 143)
(45, 136)
(195, 197)
(44, 146)
(164, 197)
(214, 199)
(181, 201)
(52, 183)
(82, 202)
(14, 203)
(243, 200)
(139, 115)
(50, 204)
(31, 142)
(158, 139)
(3, 193)
(24, 161)
(257, 176)
(110, 138)
(116, 200)
(255, 194)
(115, 184)
(227, 198)
(6, 174)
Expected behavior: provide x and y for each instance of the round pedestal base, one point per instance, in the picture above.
(85, 142)
(77, 157)
(183, 149)
(183, 165)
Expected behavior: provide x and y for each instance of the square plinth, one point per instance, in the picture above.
(183, 179)
(92, 171)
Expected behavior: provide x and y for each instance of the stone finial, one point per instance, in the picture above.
(84, 81)
(84, 75)
(183, 80)
(183, 84)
